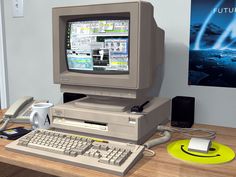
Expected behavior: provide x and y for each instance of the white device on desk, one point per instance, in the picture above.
(199, 145)
(20, 111)
(111, 53)
(21, 104)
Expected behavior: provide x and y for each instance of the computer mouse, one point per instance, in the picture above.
(199, 145)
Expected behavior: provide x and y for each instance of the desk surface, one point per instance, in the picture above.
(161, 165)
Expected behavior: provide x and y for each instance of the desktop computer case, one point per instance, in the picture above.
(120, 126)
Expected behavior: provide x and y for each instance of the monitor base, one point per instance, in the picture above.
(106, 103)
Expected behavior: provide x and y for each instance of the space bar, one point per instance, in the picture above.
(46, 148)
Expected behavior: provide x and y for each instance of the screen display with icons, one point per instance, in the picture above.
(99, 46)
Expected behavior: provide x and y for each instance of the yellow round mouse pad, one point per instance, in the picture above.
(217, 154)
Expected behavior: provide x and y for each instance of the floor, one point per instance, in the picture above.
(14, 171)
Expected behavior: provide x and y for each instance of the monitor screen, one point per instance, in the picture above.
(98, 45)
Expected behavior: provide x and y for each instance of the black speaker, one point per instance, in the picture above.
(182, 114)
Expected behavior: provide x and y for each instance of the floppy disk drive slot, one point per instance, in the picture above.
(80, 123)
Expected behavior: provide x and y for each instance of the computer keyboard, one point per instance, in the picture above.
(103, 155)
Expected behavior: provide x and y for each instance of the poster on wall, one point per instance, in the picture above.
(212, 51)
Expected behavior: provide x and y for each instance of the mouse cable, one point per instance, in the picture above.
(149, 144)
(166, 132)
(190, 132)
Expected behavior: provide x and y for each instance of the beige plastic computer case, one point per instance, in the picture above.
(120, 126)
(145, 54)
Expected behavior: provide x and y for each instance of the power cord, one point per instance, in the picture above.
(190, 132)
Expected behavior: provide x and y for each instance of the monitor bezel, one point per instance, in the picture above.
(123, 81)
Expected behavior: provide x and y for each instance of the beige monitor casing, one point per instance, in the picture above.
(146, 51)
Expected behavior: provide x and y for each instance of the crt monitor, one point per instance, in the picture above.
(106, 49)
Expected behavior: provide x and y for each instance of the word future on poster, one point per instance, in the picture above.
(212, 53)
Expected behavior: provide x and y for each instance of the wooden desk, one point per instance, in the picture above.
(161, 165)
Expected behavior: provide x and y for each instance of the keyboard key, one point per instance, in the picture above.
(42, 147)
(104, 160)
(67, 152)
(73, 153)
(112, 161)
(96, 146)
(119, 161)
(104, 147)
(97, 155)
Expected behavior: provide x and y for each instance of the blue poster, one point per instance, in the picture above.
(212, 52)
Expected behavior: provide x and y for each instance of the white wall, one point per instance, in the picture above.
(214, 105)
(29, 50)
(3, 64)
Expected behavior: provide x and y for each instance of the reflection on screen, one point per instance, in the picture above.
(98, 46)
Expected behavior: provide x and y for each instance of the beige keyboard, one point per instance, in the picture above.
(103, 155)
